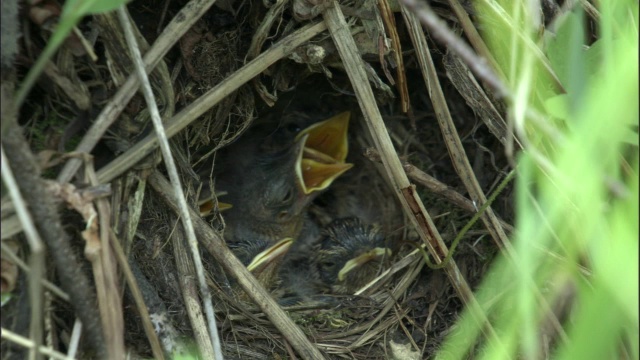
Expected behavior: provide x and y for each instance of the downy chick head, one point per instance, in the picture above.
(267, 199)
(349, 254)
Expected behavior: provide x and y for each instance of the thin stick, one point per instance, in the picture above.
(175, 179)
(46, 283)
(409, 199)
(459, 158)
(182, 22)
(440, 31)
(36, 260)
(99, 252)
(185, 117)
(212, 97)
(445, 191)
(156, 349)
(186, 272)
(75, 339)
(27, 343)
(216, 246)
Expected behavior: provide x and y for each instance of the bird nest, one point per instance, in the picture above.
(239, 66)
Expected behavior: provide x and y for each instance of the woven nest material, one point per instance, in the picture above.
(404, 312)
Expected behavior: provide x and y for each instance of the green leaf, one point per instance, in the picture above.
(6, 296)
(631, 137)
(72, 13)
(567, 57)
(558, 106)
(80, 8)
(103, 6)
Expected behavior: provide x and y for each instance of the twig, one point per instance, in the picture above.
(182, 22)
(401, 77)
(454, 145)
(175, 179)
(186, 272)
(47, 220)
(185, 117)
(445, 191)
(216, 246)
(107, 276)
(46, 283)
(399, 321)
(191, 112)
(406, 192)
(138, 299)
(458, 155)
(274, 14)
(36, 260)
(395, 267)
(153, 308)
(474, 37)
(75, 339)
(85, 44)
(22, 341)
(476, 98)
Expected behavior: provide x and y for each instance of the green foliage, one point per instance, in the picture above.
(80, 8)
(568, 58)
(72, 13)
(4, 298)
(576, 190)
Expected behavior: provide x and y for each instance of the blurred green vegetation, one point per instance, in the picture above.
(576, 236)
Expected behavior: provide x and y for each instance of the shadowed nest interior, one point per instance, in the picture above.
(405, 306)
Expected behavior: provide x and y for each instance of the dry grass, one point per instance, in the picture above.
(206, 86)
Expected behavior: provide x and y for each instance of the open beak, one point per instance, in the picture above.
(329, 137)
(361, 260)
(322, 159)
(206, 206)
(318, 176)
(270, 255)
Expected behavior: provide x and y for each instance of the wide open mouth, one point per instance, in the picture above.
(320, 160)
(323, 156)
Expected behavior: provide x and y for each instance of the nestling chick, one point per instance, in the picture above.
(266, 196)
(269, 185)
(362, 192)
(262, 258)
(299, 277)
(349, 254)
(339, 259)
